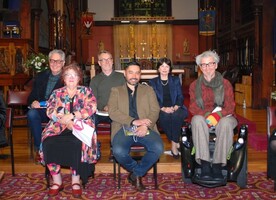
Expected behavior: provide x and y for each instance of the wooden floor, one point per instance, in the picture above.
(24, 164)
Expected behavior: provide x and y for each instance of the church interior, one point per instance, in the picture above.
(243, 33)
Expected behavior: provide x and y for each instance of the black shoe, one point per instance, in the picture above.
(139, 185)
(206, 174)
(218, 176)
(131, 179)
(175, 156)
(136, 181)
(217, 172)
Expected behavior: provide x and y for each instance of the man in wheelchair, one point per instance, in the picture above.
(213, 108)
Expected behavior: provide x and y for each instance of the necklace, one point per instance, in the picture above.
(164, 83)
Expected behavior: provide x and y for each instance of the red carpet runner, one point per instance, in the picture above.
(32, 186)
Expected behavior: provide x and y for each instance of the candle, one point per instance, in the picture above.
(92, 62)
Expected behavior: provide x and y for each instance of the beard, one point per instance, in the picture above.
(133, 81)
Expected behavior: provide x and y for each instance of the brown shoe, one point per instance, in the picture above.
(76, 192)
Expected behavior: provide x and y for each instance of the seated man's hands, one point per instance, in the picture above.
(35, 104)
(141, 131)
(142, 122)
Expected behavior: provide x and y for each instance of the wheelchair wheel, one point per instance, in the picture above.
(242, 177)
(184, 178)
(186, 164)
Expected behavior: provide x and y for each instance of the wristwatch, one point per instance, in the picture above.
(74, 115)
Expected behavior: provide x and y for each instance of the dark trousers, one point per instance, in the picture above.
(171, 123)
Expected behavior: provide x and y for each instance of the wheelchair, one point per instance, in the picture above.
(234, 171)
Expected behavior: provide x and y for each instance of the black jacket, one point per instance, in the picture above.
(40, 86)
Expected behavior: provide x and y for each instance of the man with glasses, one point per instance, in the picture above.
(44, 83)
(101, 85)
(212, 105)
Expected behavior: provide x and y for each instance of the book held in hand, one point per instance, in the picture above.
(130, 130)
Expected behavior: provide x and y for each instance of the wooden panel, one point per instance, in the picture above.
(243, 92)
(13, 52)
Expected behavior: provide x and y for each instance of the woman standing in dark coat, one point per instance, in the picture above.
(168, 90)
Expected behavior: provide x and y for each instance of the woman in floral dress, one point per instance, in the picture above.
(59, 146)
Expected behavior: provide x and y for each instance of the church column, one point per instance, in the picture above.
(36, 13)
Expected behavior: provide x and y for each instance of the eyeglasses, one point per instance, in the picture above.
(105, 59)
(210, 64)
(52, 61)
(71, 75)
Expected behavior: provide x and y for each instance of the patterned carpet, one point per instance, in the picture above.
(32, 186)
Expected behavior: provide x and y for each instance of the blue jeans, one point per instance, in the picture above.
(35, 118)
(121, 147)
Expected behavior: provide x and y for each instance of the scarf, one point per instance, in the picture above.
(216, 84)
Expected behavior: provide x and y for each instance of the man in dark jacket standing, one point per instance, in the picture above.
(44, 83)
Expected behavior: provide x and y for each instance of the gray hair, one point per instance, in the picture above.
(205, 54)
(58, 51)
(104, 52)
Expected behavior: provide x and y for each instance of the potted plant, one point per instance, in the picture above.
(37, 63)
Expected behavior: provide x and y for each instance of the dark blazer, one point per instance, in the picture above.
(40, 86)
(2, 120)
(175, 90)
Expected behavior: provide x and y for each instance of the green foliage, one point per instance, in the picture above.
(37, 62)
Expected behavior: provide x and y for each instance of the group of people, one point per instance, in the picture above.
(143, 108)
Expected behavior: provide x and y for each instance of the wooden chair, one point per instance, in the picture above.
(271, 125)
(18, 101)
(137, 152)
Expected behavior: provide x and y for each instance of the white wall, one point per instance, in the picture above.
(181, 9)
